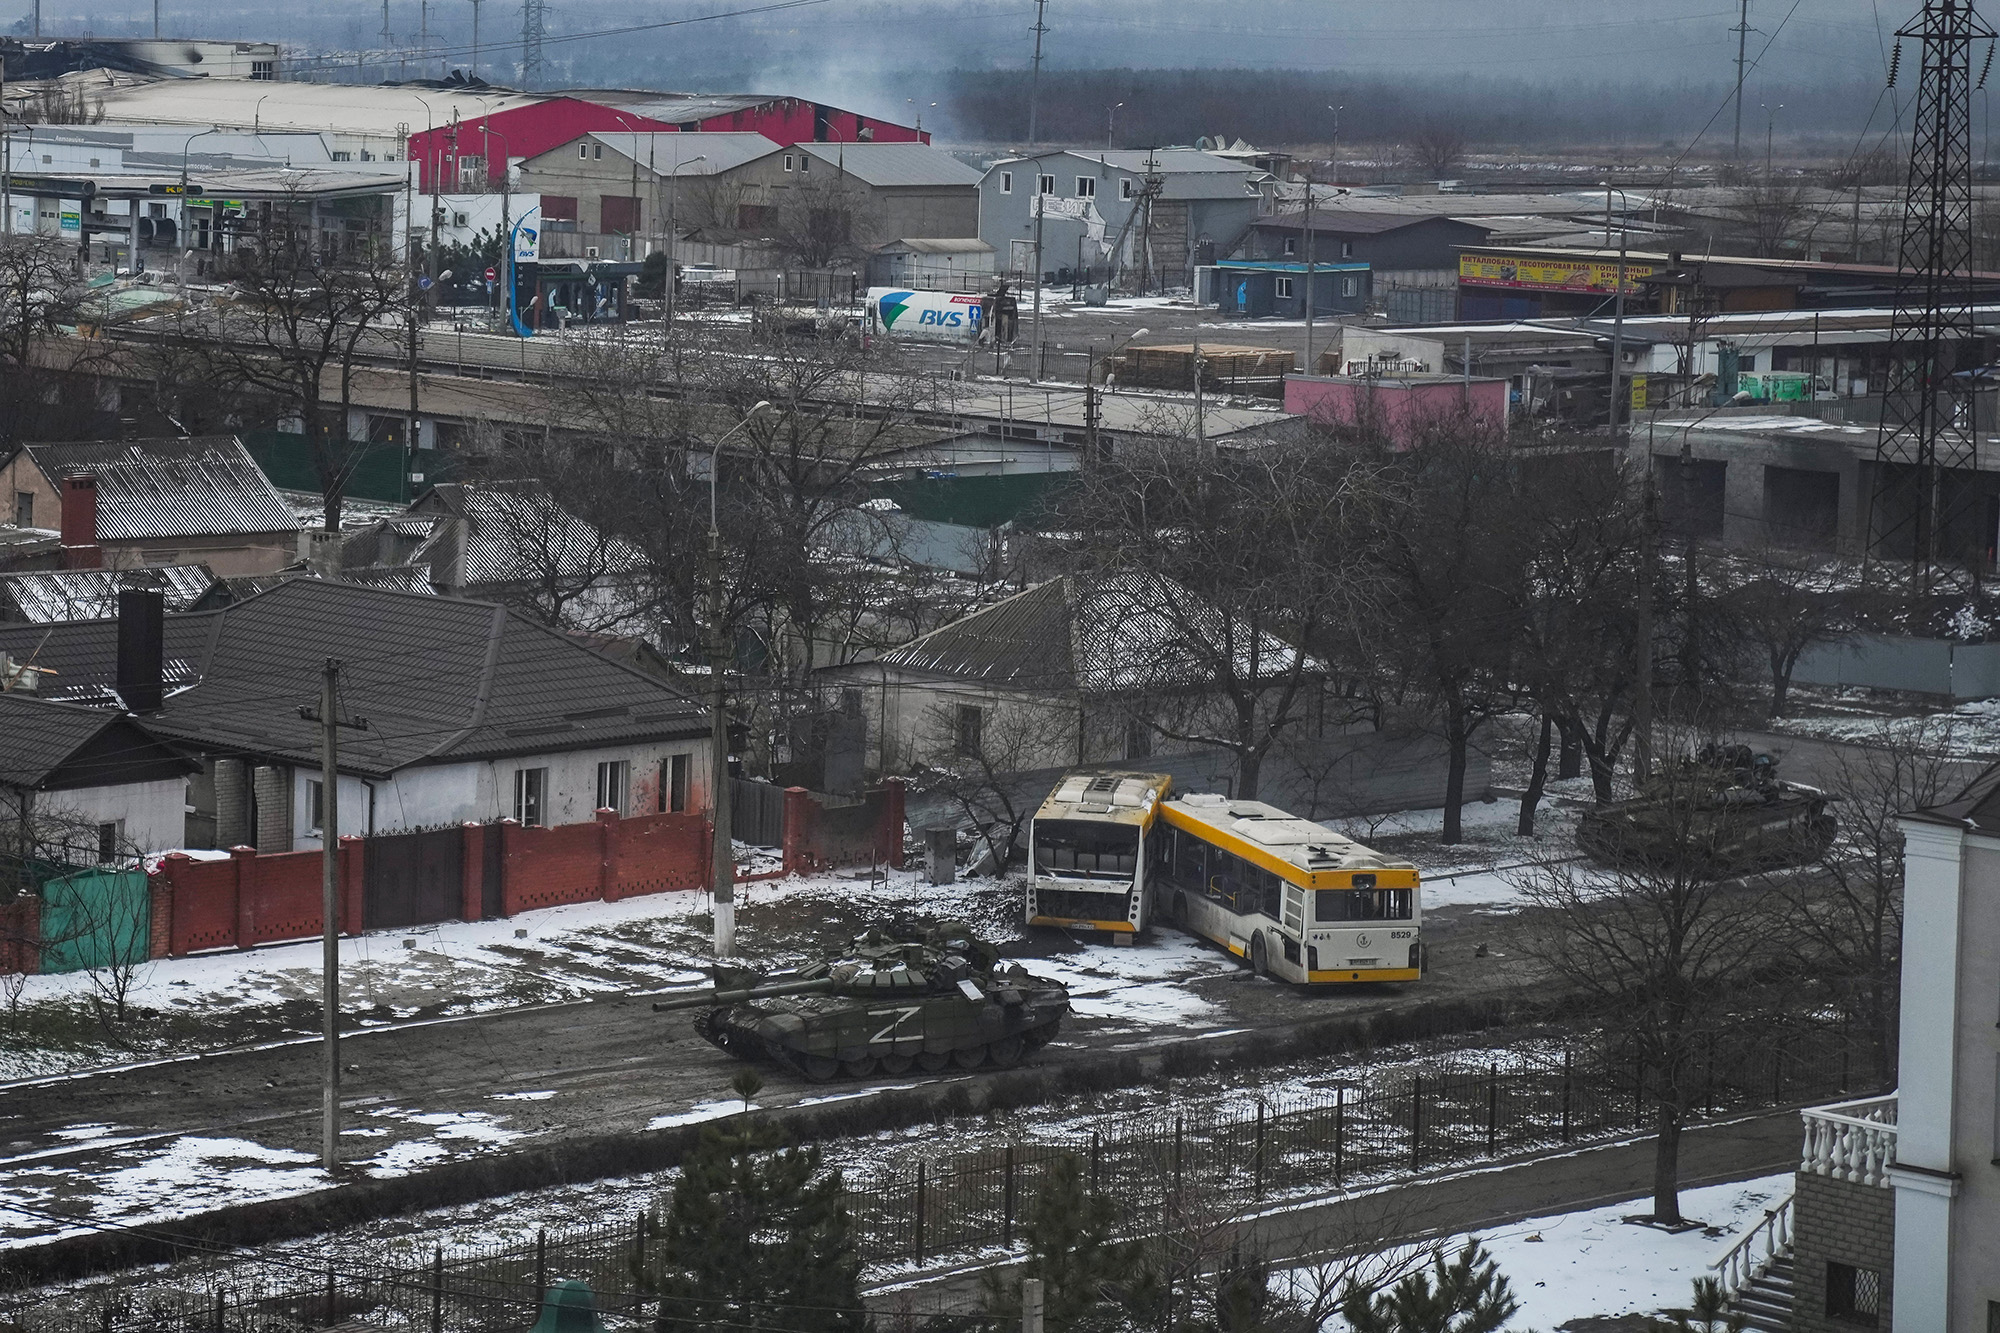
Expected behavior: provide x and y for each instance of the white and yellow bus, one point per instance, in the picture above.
(1294, 900)
(1094, 852)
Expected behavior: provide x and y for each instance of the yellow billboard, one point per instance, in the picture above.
(1550, 274)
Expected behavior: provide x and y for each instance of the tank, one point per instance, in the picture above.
(1744, 818)
(893, 1001)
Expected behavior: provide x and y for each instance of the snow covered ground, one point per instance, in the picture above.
(1595, 1265)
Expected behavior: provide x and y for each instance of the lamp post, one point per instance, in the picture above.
(722, 866)
(213, 129)
(506, 264)
(1333, 163)
(1110, 116)
(673, 197)
(1770, 124)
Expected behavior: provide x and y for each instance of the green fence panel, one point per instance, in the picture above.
(1022, 498)
(376, 470)
(95, 919)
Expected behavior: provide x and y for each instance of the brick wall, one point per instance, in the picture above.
(1843, 1222)
(870, 833)
(249, 899)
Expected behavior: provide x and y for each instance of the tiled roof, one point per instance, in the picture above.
(152, 489)
(439, 679)
(44, 596)
(48, 744)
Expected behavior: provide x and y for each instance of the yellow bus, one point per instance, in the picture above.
(1092, 849)
(1291, 898)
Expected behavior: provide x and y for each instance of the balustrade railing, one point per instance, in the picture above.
(1749, 1257)
(1853, 1141)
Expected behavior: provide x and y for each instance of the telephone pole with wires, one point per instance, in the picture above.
(1742, 31)
(1928, 434)
(1035, 74)
(330, 724)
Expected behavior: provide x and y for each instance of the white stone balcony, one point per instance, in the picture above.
(1853, 1141)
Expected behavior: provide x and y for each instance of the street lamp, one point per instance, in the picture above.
(1333, 164)
(1770, 123)
(722, 866)
(1110, 115)
(1128, 339)
(673, 197)
(182, 220)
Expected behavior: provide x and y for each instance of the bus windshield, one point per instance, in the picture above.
(1364, 905)
(1084, 850)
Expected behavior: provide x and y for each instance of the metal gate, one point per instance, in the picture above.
(413, 879)
(95, 919)
(756, 813)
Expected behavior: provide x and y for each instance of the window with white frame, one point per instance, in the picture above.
(1006, 182)
(971, 725)
(583, 151)
(315, 805)
(1284, 288)
(1291, 245)
(788, 162)
(1347, 249)
(1124, 187)
(614, 779)
(805, 163)
(531, 797)
(674, 784)
(1350, 285)
(1086, 187)
(1045, 184)
(110, 838)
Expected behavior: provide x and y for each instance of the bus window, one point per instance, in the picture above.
(1085, 850)
(1331, 905)
(1190, 861)
(1295, 910)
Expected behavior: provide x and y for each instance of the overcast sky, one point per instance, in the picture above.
(1540, 41)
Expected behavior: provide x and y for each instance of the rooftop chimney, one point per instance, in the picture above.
(142, 614)
(79, 523)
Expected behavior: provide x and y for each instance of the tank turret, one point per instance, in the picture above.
(1724, 809)
(892, 1001)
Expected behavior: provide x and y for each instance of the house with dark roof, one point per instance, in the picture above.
(83, 785)
(1070, 671)
(471, 712)
(1412, 260)
(122, 504)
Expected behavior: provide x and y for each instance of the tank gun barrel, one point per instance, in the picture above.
(705, 998)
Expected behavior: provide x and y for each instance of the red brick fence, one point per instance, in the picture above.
(477, 871)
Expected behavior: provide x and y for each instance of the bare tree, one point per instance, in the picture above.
(1783, 603)
(1438, 147)
(1659, 943)
(1846, 914)
(989, 772)
(821, 219)
(1211, 573)
(1449, 549)
(303, 302)
(1772, 217)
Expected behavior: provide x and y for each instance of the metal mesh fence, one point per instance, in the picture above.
(1394, 1122)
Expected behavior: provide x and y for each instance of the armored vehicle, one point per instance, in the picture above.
(1725, 810)
(892, 1001)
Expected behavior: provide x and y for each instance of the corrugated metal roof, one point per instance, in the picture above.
(440, 679)
(937, 245)
(890, 164)
(660, 152)
(153, 489)
(1097, 635)
(692, 107)
(511, 535)
(342, 108)
(52, 595)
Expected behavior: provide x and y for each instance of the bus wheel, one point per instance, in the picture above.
(1260, 962)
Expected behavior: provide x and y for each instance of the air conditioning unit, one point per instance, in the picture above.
(590, 252)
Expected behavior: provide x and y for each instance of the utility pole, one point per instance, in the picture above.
(1032, 1301)
(6, 161)
(1311, 269)
(1618, 330)
(387, 40)
(531, 42)
(475, 39)
(1041, 203)
(1642, 687)
(329, 884)
(1742, 31)
(1034, 78)
(1200, 405)
(156, 20)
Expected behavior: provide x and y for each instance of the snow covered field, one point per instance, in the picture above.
(1594, 1264)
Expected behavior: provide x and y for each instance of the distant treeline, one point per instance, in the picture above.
(1265, 107)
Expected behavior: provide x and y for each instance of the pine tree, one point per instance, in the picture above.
(757, 1236)
(1068, 1232)
(1468, 1295)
